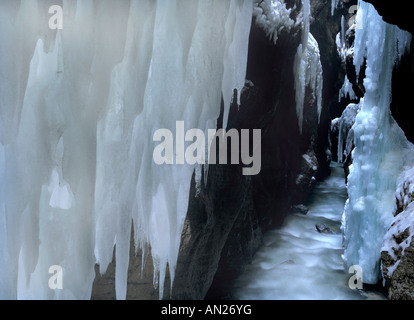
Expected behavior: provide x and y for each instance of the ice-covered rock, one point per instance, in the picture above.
(397, 252)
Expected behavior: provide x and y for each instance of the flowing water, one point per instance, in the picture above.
(297, 262)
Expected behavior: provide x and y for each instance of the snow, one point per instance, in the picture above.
(401, 223)
(379, 146)
(307, 69)
(78, 110)
(273, 17)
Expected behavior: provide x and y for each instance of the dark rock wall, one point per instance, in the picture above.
(215, 250)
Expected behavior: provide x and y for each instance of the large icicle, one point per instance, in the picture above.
(307, 68)
(334, 5)
(378, 156)
(237, 30)
(78, 112)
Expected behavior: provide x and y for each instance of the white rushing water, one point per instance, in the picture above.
(297, 262)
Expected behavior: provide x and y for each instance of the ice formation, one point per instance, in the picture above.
(79, 107)
(307, 68)
(378, 158)
(343, 46)
(347, 91)
(346, 121)
(273, 17)
(334, 5)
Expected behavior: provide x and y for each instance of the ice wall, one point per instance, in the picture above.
(378, 157)
(78, 111)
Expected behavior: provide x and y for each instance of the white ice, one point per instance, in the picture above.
(78, 110)
(273, 17)
(379, 145)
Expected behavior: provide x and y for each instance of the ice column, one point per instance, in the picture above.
(379, 142)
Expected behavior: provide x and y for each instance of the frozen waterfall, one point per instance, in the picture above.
(80, 104)
(78, 110)
(381, 149)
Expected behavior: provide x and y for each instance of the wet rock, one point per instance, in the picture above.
(322, 228)
(397, 258)
(300, 208)
(306, 179)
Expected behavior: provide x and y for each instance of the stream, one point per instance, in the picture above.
(297, 262)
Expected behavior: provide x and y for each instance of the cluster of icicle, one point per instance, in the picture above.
(273, 17)
(307, 68)
(78, 110)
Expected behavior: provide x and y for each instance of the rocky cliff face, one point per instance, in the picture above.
(398, 249)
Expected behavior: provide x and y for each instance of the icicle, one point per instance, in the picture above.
(334, 5)
(78, 124)
(343, 30)
(307, 68)
(237, 40)
(347, 91)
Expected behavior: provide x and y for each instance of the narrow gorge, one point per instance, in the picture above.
(205, 149)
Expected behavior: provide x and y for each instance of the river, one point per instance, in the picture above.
(297, 262)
